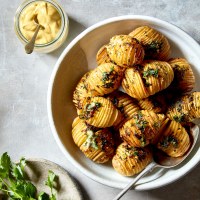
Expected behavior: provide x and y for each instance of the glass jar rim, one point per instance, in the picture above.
(58, 8)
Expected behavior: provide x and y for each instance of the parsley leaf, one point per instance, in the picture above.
(43, 196)
(14, 184)
(50, 182)
(150, 72)
(5, 164)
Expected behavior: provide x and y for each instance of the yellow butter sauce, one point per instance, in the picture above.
(44, 14)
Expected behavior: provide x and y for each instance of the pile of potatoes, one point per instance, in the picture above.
(155, 107)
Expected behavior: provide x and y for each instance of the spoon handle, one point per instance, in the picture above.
(149, 168)
(30, 45)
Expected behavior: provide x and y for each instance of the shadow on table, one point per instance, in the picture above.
(187, 188)
(81, 189)
(75, 28)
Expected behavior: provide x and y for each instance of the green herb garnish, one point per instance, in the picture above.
(108, 78)
(91, 140)
(152, 48)
(14, 184)
(180, 118)
(89, 110)
(169, 140)
(140, 122)
(136, 152)
(150, 72)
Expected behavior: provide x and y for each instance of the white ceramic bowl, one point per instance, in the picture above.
(78, 58)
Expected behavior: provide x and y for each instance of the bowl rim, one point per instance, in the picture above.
(96, 178)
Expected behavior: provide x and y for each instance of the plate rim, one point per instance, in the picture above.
(50, 89)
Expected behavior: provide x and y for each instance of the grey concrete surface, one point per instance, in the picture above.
(24, 126)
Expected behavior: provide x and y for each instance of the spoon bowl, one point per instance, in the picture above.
(162, 160)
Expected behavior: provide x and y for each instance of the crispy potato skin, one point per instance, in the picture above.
(142, 128)
(102, 56)
(156, 103)
(184, 79)
(104, 143)
(125, 51)
(174, 140)
(125, 104)
(147, 79)
(185, 109)
(81, 92)
(155, 44)
(100, 112)
(129, 161)
(104, 79)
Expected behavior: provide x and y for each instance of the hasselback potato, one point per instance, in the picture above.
(174, 140)
(142, 128)
(127, 105)
(125, 51)
(155, 44)
(156, 103)
(100, 112)
(102, 56)
(147, 79)
(185, 109)
(96, 144)
(104, 79)
(81, 92)
(184, 79)
(130, 160)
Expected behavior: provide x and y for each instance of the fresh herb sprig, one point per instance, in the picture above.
(14, 184)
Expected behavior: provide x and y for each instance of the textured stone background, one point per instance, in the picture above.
(24, 127)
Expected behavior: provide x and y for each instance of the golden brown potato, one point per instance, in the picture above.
(125, 51)
(100, 112)
(194, 105)
(174, 140)
(127, 105)
(164, 123)
(81, 92)
(104, 79)
(147, 79)
(156, 103)
(97, 145)
(129, 160)
(102, 56)
(155, 44)
(185, 109)
(142, 128)
(184, 79)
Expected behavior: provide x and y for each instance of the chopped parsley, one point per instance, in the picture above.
(169, 140)
(91, 140)
(156, 125)
(150, 72)
(108, 78)
(152, 49)
(140, 122)
(89, 110)
(138, 153)
(180, 118)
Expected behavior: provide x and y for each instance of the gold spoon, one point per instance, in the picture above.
(31, 44)
(162, 160)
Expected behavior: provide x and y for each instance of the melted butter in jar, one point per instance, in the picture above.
(44, 14)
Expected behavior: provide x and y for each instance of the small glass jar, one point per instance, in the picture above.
(57, 41)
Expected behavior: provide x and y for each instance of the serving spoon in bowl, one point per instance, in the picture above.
(161, 160)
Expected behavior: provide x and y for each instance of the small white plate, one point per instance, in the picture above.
(78, 58)
(37, 172)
